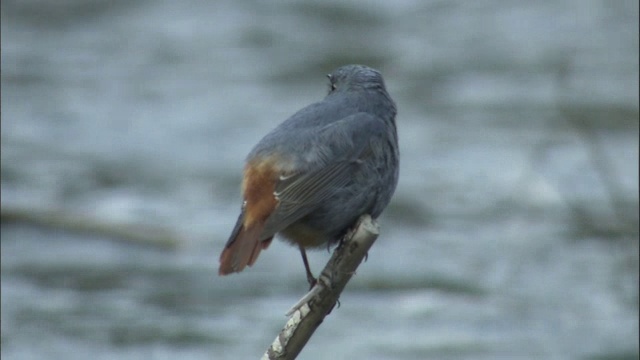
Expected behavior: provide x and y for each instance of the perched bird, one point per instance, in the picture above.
(314, 175)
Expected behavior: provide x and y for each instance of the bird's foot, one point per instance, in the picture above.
(311, 280)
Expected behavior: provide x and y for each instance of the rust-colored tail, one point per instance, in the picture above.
(242, 249)
(259, 201)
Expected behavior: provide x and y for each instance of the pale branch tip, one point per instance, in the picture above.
(308, 313)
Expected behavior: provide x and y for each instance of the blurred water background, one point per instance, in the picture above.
(513, 233)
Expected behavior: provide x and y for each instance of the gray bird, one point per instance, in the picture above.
(314, 175)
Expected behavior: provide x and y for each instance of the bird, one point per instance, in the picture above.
(311, 178)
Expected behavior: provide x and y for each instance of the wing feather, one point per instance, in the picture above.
(345, 141)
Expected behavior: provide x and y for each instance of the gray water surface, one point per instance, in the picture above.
(513, 233)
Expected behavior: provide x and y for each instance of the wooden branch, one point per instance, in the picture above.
(78, 223)
(309, 312)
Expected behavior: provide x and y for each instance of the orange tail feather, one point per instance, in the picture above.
(243, 250)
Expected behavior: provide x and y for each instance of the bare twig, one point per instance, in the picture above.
(309, 312)
(597, 156)
(78, 223)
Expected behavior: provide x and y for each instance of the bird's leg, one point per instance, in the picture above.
(310, 279)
